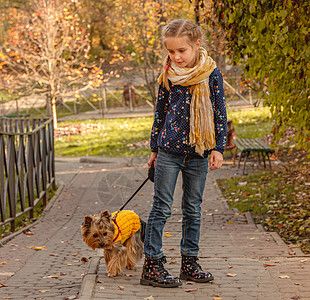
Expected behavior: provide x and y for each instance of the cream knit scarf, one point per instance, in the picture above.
(201, 134)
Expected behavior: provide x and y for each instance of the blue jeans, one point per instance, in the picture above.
(194, 172)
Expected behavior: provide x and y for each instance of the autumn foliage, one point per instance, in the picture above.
(47, 52)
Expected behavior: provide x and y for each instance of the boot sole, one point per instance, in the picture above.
(148, 282)
(189, 278)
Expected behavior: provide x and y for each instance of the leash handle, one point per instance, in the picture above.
(134, 194)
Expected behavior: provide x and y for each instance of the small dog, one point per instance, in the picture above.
(121, 235)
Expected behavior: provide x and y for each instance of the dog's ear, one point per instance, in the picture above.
(105, 214)
(87, 221)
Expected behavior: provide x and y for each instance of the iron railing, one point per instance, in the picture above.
(27, 166)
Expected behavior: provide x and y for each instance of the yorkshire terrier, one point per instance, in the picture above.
(121, 235)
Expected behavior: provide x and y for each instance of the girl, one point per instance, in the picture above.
(189, 124)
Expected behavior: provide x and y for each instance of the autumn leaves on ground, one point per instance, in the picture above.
(279, 200)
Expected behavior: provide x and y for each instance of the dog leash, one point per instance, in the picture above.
(150, 176)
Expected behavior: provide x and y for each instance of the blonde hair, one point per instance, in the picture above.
(179, 28)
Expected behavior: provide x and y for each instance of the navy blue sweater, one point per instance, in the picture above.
(171, 125)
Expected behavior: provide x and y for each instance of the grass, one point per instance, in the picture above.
(118, 135)
(253, 123)
(115, 139)
(5, 96)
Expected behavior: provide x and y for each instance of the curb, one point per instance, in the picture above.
(49, 205)
(90, 279)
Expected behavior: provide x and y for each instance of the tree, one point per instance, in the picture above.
(137, 27)
(47, 52)
(270, 40)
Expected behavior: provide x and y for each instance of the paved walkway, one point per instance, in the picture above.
(247, 262)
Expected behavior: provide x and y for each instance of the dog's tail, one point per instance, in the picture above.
(142, 230)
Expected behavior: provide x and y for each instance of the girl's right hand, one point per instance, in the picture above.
(153, 157)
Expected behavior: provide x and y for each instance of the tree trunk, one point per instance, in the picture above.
(54, 112)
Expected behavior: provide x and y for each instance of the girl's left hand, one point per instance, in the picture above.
(216, 160)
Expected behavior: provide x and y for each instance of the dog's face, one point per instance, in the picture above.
(98, 231)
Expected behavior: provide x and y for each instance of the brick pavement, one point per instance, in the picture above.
(258, 262)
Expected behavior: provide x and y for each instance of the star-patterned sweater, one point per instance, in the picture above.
(171, 126)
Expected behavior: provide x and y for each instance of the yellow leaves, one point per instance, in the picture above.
(167, 234)
(3, 263)
(51, 276)
(284, 276)
(37, 248)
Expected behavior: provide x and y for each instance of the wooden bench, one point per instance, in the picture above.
(246, 146)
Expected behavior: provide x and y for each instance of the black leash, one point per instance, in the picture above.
(150, 176)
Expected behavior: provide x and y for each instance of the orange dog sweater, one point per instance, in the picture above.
(126, 224)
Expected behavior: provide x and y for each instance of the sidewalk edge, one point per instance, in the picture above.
(89, 280)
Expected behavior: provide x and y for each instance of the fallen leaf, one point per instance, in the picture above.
(284, 276)
(28, 232)
(171, 249)
(129, 275)
(229, 267)
(292, 253)
(121, 287)
(304, 260)
(70, 297)
(168, 234)
(190, 282)
(99, 281)
(37, 248)
(231, 274)
(69, 265)
(217, 298)
(84, 259)
(6, 297)
(4, 263)
(190, 290)
(269, 265)
(173, 262)
(296, 283)
(230, 222)
(44, 291)
(75, 254)
(51, 276)
(101, 287)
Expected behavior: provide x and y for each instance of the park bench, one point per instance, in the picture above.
(248, 146)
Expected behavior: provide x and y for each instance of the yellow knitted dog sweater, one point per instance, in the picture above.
(126, 224)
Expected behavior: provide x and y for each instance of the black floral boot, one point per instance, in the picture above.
(155, 274)
(191, 270)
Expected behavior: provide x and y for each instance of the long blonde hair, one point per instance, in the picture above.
(179, 28)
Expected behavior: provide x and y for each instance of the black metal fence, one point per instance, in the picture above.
(27, 166)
